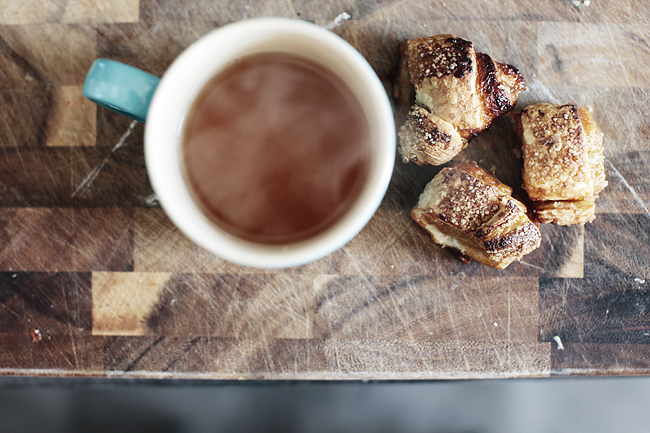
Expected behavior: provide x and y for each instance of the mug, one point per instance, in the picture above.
(162, 104)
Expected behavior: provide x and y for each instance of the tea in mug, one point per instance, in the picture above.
(276, 148)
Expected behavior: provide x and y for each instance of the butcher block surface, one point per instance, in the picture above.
(96, 281)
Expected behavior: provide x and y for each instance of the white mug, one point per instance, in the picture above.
(164, 104)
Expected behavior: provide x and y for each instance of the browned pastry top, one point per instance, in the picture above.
(439, 56)
(555, 153)
(462, 87)
(462, 199)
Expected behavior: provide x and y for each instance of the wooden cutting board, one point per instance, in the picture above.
(96, 281)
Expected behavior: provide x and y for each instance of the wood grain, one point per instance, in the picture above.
(56, 302)
(323, 359)
(618, 244)
(90, 261)
(616, 60)
(30, 12)
(23, 125)
(65, 239)
(581, 314)
(65, 62)
(121, 301)
(161, 247)
(597, 359)
(116, 11)
(432, 309)
(73, 119)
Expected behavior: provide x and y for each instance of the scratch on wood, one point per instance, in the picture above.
(337, 356)
(74, 346)
(628, 186)
(52, 355)
(557, 61)
(85, 184)
(267, 350)
(355, 261)
(384, 36)
(183, 352)
(618, 55)
(550, 244)
(4, 307)
(143, 354)
(451, 314)
(398, 313)
(537, 87)
(406, 230)
(415, 262)
(531, 265)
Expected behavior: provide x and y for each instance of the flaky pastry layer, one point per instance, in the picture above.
(469, 210)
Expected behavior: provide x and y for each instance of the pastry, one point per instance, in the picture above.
(469, 210)
(453, 93)
(563, 170)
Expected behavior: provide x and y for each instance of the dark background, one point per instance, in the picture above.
(481, 406)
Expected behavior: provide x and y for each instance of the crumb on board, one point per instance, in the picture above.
(36, 335)
(558, 340)
(579, 3)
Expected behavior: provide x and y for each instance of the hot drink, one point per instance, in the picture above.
(276, 148)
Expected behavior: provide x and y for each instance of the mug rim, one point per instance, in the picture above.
(180, 85)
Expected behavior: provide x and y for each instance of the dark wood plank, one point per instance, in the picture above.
(74, 176)
(56, 239)
(391, 244)
(23, 117)
(601, 359)
(54, 303)
(110, 176)
(36, 239)
(12, 307)
(217, 358)
(35, 177)
(611, 309)
(46, 324)
(54, 355)
(103, 239)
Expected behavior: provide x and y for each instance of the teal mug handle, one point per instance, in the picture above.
(121, 88)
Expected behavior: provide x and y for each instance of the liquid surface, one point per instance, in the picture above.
(275, 149)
